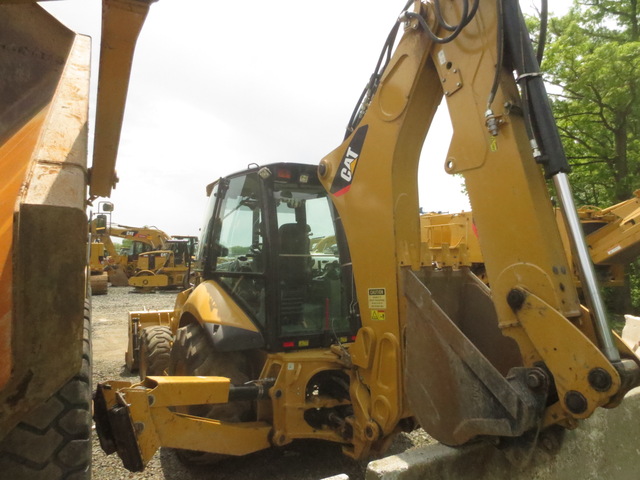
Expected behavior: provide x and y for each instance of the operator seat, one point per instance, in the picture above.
(294, 271)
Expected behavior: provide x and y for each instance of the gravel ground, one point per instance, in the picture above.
(304, 460)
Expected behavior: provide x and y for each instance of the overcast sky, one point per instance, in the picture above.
(217, 85)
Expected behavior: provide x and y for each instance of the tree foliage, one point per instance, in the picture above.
(593, 60)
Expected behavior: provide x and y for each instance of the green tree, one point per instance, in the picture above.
(592, 59)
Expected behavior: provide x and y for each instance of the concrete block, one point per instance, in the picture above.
(605, 446)
(631, 332)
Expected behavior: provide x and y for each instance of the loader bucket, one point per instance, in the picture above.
(44, 98)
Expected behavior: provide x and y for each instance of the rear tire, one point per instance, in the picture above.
(54, 443)
(193, 354)
(155, 351)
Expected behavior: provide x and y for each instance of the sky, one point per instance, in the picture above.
(218, 85)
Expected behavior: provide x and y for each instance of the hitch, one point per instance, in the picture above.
(114, 428)
(135, 420)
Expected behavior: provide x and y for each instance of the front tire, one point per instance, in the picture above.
(155, 351)
(54, 443)
(193, 354)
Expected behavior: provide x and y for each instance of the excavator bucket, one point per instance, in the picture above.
(461, 373)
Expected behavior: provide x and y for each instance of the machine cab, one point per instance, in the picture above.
(270, 240)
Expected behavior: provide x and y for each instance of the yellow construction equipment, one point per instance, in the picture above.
(142, 239)
(124, 263)
(99, 253)
(359, 337)
(150, 340)
(166, 269)
(612, 235)
(99, 279)
(45, 374)
(453, 241)
(152, 259)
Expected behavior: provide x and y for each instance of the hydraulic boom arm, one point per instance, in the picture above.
(462, 379)
(122, 21)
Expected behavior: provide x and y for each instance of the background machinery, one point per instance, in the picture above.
(168, 268)
(611, 234)
(45, 371)
(98, 253)
(122, 264)
(613, 237)
(358, 338)
(99, 279)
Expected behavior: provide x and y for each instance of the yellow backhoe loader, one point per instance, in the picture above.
(612, 235)
(169, 268)
(45, 371)
(358, 338)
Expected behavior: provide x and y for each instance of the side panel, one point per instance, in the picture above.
(27, 83)
(43, 277)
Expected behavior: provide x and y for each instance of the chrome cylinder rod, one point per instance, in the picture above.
(590, 285)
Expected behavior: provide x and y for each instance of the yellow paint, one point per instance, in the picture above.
(15, 155)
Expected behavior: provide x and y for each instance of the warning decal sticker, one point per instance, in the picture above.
(377, 298)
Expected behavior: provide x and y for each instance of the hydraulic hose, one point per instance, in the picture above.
(556, 166)
(530, 79)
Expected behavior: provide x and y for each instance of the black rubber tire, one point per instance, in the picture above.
(193, 354)
(55, 442)
(155, 351)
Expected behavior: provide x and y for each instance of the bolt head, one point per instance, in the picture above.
(576, 402)
(600, 380)
(516, 298)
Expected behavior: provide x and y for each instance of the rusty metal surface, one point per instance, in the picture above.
(452, 389)
(33, 51)
(45, 82)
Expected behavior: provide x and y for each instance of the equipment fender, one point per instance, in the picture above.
(227, 325)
